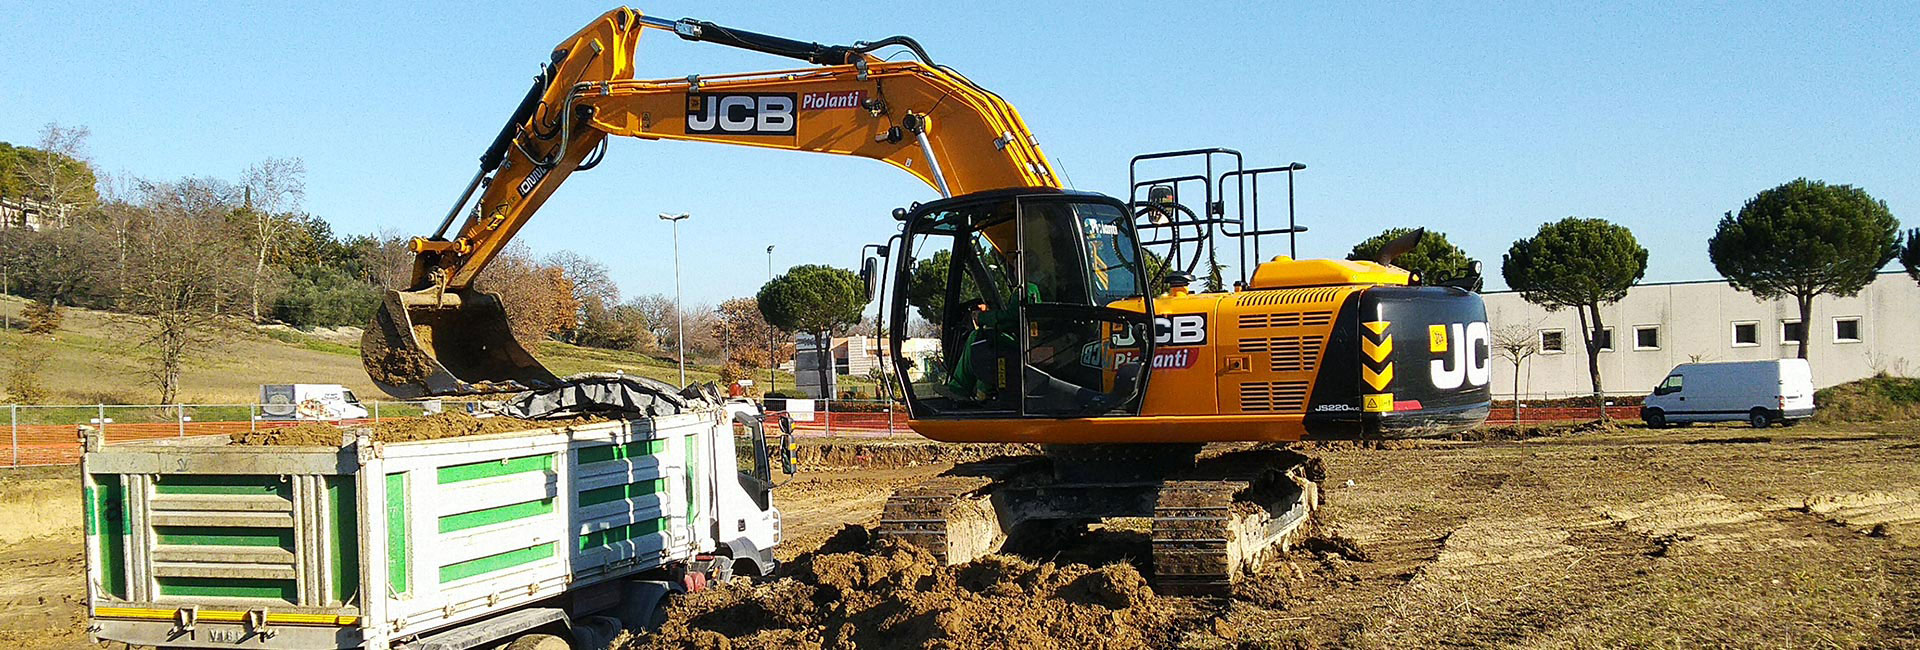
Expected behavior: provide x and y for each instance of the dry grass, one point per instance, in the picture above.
(97, 358)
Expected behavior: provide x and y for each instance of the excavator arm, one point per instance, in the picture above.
(443, 337)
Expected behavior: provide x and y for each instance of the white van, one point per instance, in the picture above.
(318, 402)
(1758, 392)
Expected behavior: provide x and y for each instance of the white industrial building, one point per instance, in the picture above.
(1661, 325)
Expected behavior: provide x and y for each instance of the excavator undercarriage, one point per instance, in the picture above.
(1216, 513)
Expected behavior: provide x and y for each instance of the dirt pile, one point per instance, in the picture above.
(1510, 432)
(431, 427)
(896, 596)
(838, 453)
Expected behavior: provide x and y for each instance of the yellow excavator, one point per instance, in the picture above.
(1057, 324)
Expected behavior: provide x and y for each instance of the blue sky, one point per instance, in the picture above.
(1479, 120)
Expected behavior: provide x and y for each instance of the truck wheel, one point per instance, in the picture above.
(538, 642)
(1759, 419)
(1655, 419)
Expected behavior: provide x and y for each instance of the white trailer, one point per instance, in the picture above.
(449, 543)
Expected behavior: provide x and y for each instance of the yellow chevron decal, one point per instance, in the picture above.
(1378, 380)
(1377, 327)
(1376, 351)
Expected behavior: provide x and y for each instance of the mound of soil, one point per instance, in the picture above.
(1527, 431)
(304, 434)
(431, 427)
(893, 595)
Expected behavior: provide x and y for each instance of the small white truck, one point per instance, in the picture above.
(1760, 393)
(437, 544)
(311, 402)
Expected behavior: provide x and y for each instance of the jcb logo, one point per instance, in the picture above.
(1176, 329)
(741, 114)
(1464, 355)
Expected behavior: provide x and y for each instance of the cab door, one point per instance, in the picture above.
(1081, 356)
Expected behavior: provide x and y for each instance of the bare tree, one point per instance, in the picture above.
(590, 278)
(592, 285)
(1516, 343)
(660, 315)
(388, 261)
(746, 336)
(185, 277)
(538, 298)
(59, 173)
(273, 189)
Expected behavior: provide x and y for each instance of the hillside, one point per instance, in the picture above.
(97, 357)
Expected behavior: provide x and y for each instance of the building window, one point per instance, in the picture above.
(1846, 329)
(1746, 334)
(1646, 337)
(1553, 341)
(1605, 340)
(1790, 332)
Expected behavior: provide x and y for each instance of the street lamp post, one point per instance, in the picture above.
(772, 340)
(680, 315)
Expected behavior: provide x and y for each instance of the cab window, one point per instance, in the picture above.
(1670, 386)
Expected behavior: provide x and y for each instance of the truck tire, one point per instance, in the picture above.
(538, 641)
(1655, 419)
(643, 605)
(1759, 418)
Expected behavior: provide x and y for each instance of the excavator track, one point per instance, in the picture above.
(1213, 521)
(1207, 533)
(953, 515)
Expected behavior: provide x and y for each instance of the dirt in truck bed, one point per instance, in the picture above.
(408, 429)
(1805, 536)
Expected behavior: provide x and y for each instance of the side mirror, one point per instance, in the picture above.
(869, 275)
(789, 454)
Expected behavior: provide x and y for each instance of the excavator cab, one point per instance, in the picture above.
(1024, 306)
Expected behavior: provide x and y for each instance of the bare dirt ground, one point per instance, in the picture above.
(1698, 537)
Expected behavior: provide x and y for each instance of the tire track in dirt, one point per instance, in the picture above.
(1328, 597)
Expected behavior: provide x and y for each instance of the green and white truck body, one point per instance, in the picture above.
(430, 544)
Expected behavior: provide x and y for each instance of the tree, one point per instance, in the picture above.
(1578, 263)
(927, 286)
(814, 299)
(57, 172)
(616, 327)
(58, 266)
(751, 341)
(1434, 258)
(660, 316)
(538, 298)
(185, 276)
(1910, 255)
(1803, 239)
(384, 259)
(592, 283)
(1516, 343)
(273, 189)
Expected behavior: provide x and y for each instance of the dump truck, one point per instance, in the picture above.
(445, 543)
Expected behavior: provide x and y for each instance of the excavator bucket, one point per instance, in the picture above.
(434, 342)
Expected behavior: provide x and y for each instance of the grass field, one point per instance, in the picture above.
(99, 357)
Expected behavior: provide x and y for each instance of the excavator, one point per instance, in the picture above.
(1058, 325)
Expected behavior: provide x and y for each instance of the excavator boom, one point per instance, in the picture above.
(442, 336)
